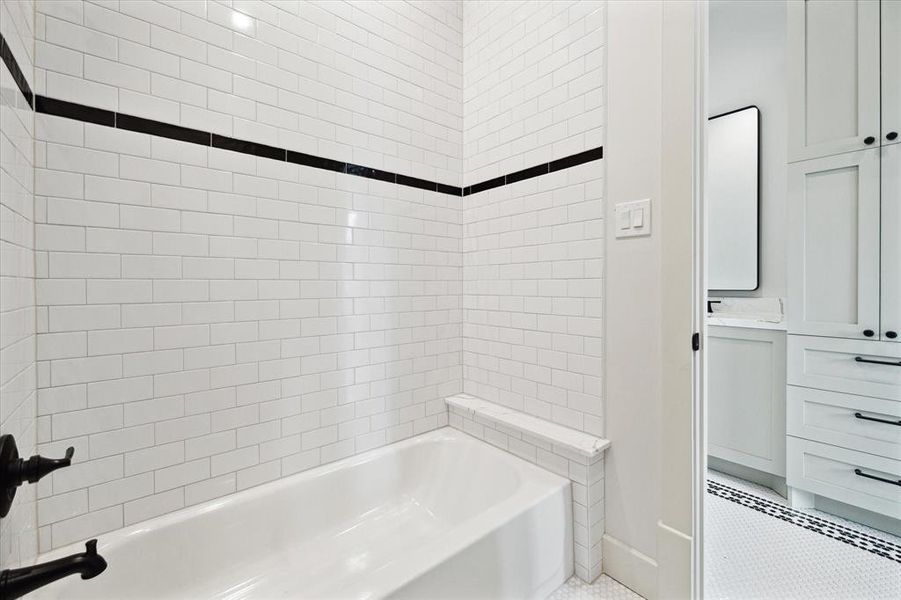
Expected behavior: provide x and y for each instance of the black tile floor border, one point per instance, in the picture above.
(99, 116)
(13, 65)
(792, 516)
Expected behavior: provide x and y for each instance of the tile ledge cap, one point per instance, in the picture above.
(580, 442)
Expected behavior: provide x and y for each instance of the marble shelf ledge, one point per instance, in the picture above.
(578, 442)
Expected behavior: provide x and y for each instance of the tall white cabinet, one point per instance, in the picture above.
(844, 253)
(833, 74)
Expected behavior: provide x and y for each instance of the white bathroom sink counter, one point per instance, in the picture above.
(750, 322)
(752, 313)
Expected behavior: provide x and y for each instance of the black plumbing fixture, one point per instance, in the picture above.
(15, 583)
(15, 471)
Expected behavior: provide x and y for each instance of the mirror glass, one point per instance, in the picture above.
(732, 196)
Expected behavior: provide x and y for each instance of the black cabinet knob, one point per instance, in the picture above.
(891, 334)
(891, 135)
(869, 332)
(869, 140)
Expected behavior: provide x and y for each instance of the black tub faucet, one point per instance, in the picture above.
(15, 471)
(15, 583)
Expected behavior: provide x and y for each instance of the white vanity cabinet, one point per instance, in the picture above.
(833, 77)
(746, 397)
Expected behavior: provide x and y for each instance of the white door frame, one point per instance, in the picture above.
(699, 304)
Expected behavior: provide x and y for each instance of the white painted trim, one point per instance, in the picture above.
(699, 304)
(635, 570)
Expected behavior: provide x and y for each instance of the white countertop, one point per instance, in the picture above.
(753, 313)
(749, 321)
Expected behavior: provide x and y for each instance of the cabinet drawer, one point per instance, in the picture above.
(830, 471)
(859, 367)
(829, 417)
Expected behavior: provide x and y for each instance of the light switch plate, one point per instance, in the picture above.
(633, 219)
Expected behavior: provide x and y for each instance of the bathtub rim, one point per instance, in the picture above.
(540, 486)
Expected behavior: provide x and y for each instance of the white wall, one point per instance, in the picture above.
(747, 66)
(207, 320)
(633, 296)
(533, 250)
(18, 534)
(652, 295)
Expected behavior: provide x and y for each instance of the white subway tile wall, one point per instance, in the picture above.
(533, 83)
(373, 83)
(207, 320)
(533, 250)
(18, 532)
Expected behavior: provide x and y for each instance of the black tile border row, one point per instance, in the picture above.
(13, 65)
(99, 116)
(566, 162)
(835, 531)
(109, 118)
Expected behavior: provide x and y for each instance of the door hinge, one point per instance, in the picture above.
(696, 341)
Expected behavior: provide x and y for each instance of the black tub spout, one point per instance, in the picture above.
(15, 583)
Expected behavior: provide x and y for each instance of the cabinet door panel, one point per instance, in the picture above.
(833, 262)
(833, 76)
(891, 243)
(746, 397)
(891, 71)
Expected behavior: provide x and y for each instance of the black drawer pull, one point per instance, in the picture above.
(877, 362)
(877, 478)
(857, 415)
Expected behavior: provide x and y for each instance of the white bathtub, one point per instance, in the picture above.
(441, 515)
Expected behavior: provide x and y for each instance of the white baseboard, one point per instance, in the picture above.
(635, 570)
(674, 558)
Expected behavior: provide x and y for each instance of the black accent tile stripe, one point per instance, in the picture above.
(369, 173)
(442, 188)
(527, 173)
(72, 110)
(536, 171)
(792, 516)
(317, 162)
(81, 112)
(420, 183)
(576, 159)
(245, 147)
(487, 185)
(18, 76)
(166, 130)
